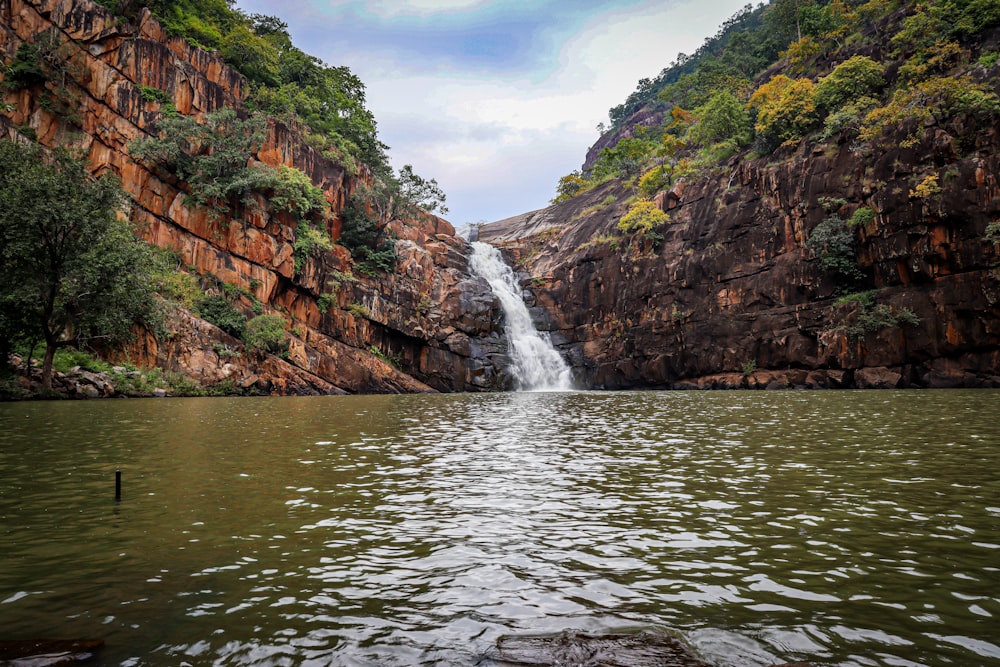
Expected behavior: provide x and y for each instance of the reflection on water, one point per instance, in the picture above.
(844, 528)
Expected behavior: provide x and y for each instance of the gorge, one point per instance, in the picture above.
(731, 294)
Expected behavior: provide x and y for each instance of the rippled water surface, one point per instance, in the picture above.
(842, 528)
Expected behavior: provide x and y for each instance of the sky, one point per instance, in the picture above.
(496, 100)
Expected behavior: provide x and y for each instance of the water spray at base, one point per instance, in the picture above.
(535, 364)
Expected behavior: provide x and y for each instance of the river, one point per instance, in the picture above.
(841, 528)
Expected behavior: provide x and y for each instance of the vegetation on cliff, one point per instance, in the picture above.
(73, 273)
(794, 70)
(270, 194)
(285, 81)
(828, 176)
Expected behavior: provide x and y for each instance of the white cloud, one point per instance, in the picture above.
(393, 8)
(497, 144)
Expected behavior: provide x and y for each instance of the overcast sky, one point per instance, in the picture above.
(496, 100)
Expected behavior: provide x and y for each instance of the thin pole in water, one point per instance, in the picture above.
(118, 485)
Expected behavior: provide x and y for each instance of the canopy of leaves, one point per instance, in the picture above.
(937, 99)
(214, 159)
(722, 117)
(73, 271)
(211, 156)
(265, 334)
(854, 78)
(642, 217)
(786, 109)
(834, 243)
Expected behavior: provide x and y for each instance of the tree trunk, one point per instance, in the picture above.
(5, 349)
(50, 355)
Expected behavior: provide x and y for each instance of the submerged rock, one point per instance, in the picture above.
(640, 649)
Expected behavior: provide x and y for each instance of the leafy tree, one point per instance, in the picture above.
(723, 117)
(265, 334)
(570, 186)
(214, 159)
(625, 159)
(785, 107)
(419, 192)
(257, 58)
(371, 209)
(642, 218)
(73, 271)
(654, 180)
(212, 156)
(936, 100)
(26, 68)
(857, 77)
(218, 310)
(833, 242)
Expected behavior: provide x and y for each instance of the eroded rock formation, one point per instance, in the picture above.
(733, 297)
(430, 318)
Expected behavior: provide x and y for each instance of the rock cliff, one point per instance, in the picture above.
(429, 325)
(733, 297)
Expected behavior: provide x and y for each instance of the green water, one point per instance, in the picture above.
(841, 528)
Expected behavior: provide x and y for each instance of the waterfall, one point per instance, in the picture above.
(535, 364)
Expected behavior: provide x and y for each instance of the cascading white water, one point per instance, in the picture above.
(535, 364)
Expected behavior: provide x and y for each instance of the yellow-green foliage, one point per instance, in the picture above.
(852, 79)
(173, 284)
(654, 180)
(936, 99)
(786, 109)
(927, 188)
(642, 217)
(570, 186)
(801, 52)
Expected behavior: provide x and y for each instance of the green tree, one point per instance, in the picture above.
(723, 117)
(570, 186)
(265, 334)
(834, 243)
(373, 207)
(73, 271)
(625, 159)
(212, 156)
(857, 77)
(786, 110)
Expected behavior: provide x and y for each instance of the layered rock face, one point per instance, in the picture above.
(733, 296)
(431, 319)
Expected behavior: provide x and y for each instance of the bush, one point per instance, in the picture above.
(570, 186)
(265, 334)
(786, 110)
(309, 240)
(849, 81)
(848, 118)
(26, 69)
(833, 243)
(654, 180)
(173, 284)
(861, 217)
(220, 312)
(722, 117)
(938, 99)
(642, 218)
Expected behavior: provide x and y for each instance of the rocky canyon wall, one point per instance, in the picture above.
(427, 326)
(734, 297)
